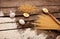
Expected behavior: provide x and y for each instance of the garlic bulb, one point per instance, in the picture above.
(21, 21)
(12, 14)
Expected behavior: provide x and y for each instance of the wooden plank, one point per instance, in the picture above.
(11, 34)
(6, 19)
(9, 23)
(17, 34)
(57, 15)
(6, 3)
(15, 19)
(52, 9)
(8, 26)
(5, 25)
(58, 19)
(33, 17)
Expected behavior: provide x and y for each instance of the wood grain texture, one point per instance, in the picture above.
(6, 19)
(57, 15)
(55, 10)
(52, 9)
(8, 3)
(8, 26)
(52, 5)
(11, 34)
(15, 19)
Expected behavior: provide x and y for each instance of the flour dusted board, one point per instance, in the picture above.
(6, 19)
(11, 34)
(7, 23)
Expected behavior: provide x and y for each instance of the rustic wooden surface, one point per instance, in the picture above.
(52, 5)
(7, 23)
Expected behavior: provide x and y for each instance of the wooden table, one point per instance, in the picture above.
(8, 26)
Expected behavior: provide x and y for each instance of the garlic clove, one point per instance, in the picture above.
(45, 10)
(21, 21)
(58, 37)
(25, 14)
(12, 14)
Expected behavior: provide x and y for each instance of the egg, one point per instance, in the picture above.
(21, 21)
(12, 14)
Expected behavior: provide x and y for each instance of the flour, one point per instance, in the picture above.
(32, 34)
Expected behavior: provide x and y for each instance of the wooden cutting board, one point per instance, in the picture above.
(8, 26)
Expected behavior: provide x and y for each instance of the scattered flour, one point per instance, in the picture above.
(32, 34)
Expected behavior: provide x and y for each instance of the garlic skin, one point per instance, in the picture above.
(58, 37)
(12, 14)
(25, 14)
(21, 21)
(1, 13)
